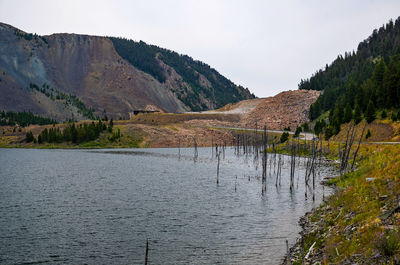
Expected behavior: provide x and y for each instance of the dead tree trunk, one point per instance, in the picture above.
(358, 147)
(218, 156)
(146, 258)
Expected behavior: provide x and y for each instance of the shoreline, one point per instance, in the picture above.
(359, 223)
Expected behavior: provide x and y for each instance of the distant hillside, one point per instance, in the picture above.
(64, 76)
(203, 87)
(359, 83)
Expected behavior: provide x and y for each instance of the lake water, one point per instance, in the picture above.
(100, 206)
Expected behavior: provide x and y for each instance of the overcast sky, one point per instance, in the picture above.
(267, 46)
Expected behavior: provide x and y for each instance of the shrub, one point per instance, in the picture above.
(388, 243)
(394, 117)
(29, 137)
(368, 134)
(284, 137)
(298, 131)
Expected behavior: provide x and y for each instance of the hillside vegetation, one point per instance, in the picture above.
(358, 84)
(360, 223)
(218, 90)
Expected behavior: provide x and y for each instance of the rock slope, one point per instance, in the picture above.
(287, 109)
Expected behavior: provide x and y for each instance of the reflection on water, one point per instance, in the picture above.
(100, 206)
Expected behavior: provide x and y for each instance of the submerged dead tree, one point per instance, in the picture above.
(310, 167)
(264, 161)
(292, 165)
(279, 171)
(146, 258)
(179, 149)
(218, 157)
(196, 153)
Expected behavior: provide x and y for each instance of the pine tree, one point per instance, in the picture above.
(357, 114)
(377, 80)
(297, 132)
(370, 112)
(29, 137)
(337, 119)
(284, 137)
(384, 114)
(348, 113)
(392, 81)
(368, 134)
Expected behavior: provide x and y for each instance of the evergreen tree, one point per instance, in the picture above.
(357, 114)
(368, 134)
(370, 112)
(348, 113)
(392, 81)
(328, 132)
(384, 114)
(29, 137)
(377, 79)
(297, 132)
(284, 137)
(336, 120)
(394, 116)
(319, 127)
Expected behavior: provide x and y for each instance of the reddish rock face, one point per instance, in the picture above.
(289, 108)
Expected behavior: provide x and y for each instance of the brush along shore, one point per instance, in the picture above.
(360, 222)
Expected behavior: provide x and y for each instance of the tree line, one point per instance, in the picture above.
(23, 119)
(75, 133)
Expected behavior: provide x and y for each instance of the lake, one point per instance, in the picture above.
(100, 207)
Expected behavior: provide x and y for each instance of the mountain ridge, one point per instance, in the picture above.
(68, 75)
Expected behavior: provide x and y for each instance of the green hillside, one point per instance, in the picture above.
(145, 57)
(359, 83)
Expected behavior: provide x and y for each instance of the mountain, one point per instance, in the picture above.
(360, 82)
(65, 76)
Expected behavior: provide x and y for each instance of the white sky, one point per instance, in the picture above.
(267, 46)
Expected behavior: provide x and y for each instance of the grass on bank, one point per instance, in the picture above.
(361, 222)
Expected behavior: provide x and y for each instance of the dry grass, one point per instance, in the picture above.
(380, 131)
(169, 118)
